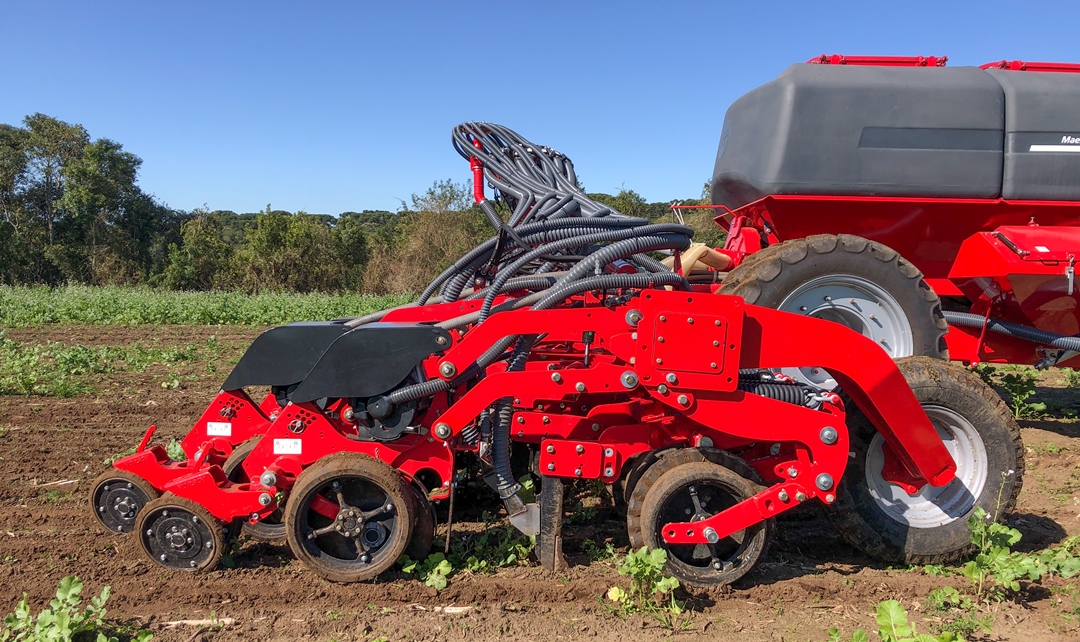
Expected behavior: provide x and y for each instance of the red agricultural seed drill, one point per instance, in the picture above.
(564, 333)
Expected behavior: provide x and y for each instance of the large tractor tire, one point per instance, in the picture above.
(862, 284)
(931, 527)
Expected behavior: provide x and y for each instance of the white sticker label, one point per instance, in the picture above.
(219, 428)
(286, 446)
(1042, 248)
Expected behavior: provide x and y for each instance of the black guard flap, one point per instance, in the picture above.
(370, 360)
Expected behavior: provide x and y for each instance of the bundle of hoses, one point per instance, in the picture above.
(552, 242)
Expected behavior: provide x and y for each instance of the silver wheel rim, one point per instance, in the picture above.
(934, 506)
(857, 303)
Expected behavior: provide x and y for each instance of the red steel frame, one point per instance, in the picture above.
(668, 379)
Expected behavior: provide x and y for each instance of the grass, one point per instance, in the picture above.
(113, 305)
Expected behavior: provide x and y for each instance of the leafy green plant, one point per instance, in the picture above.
(651, 591)
(175, 451)
(1019, 384)
(1072, 377)
(959, 612)
(499, 545)
(434, 570)
(63, 620)
(996, 569)
(893, 626)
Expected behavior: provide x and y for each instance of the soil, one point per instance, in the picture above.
(51, 449)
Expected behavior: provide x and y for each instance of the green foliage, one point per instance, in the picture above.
(175, 451)
(1020, 386)
(1072, 377)
(1018, 383)
(59, 370)
(997, 570)
(27, 306)
(434, 570)
(958, 612)
(893, 626)
(63, 620)
(651, 591)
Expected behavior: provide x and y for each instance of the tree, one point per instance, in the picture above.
(50, 145)
(201, 261)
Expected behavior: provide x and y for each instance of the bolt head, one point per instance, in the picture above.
(800, 496)
(551, 449)
(684, 400)
(663, 319)
(546, 419)
(690, 320)
(608, 452)
(783, 496)
(577, 473)
(824, 481)
(596, 427)
(440, 340)
(829, 435)
(662, 389)
(556, 377)
(830, 498)
(442, 431)
(580, 449)
(711, 535)
(447, 369)
(671, 378)
(608, 472)
(792, 472)
(774, 449)
(265, 499)
(551, 466)
(580, 386)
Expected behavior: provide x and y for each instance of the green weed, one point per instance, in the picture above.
(63, 620)
(651, 591)
(893, 626)
(434, 570)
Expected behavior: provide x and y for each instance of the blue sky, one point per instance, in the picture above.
(330, 107)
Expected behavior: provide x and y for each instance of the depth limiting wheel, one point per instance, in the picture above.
(270, 529)
(694, 492)
(859, 283)
(931, 527)
(423, 534)
(349, 517)
(117, 496)
(655, 464)
(180, 535)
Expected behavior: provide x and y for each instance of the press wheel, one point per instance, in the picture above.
(117, 496)
(180, 535)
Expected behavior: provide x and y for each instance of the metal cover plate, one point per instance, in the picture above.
(690, 342)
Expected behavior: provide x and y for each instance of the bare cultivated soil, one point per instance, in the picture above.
(52, 448)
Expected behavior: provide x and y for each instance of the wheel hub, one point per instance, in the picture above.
(176, 538)
(117, 503)
(933, 506)
(857, 303)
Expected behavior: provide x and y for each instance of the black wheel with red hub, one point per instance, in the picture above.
(349, 517)
(117, 496)
(181, 535)
(269, 529)
(694, 492)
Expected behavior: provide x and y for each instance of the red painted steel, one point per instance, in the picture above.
(1020, 65)
(880, 61)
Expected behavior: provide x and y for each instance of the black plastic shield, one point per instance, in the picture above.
(284, 355)
(370, 360)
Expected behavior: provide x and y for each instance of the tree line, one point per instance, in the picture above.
(71, 211)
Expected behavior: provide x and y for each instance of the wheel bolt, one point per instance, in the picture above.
(711, 535)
